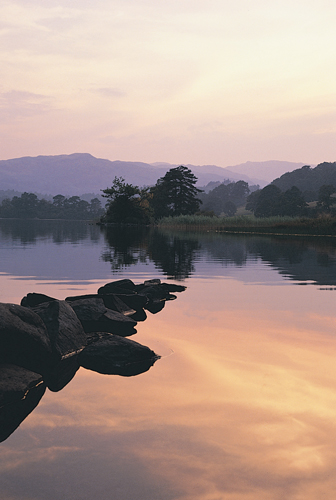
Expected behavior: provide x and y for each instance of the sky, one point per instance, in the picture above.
(181, 81)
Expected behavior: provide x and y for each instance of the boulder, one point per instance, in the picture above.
(118, 286)
(114, 355)
(65, 331)
(20, 392)
(24, 339)
(61, 373)
(111, 301)
(96, 317)
(34, 299)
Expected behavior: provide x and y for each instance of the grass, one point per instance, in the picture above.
(321, 226)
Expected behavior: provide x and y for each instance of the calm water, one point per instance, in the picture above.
(242, 404)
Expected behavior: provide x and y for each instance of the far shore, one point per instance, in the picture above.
(282, 226)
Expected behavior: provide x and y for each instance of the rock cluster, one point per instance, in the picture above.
(44, 341)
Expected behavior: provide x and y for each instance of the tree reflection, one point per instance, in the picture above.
(59, 231)
(130, 245)
(127, 246)
(173, 254)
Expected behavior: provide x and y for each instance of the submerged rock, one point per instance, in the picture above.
(20, 392)
(114, 355)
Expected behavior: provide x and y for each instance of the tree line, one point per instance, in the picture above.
(29, 206)
(176, 194)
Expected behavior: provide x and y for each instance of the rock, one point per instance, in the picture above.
(114, 355)
(65, 331)
(95, 317)
(119, 286)
(34, 299)
(61, 373)
(24, 339)
(20, 392)
(111, 301)
(150, 295)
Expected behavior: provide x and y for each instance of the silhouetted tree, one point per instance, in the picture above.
(127, 204)
(175, 193)
(325, 198)
(268, 203)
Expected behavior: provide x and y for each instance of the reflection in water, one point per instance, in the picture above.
(242, 404)
(175, 253)
(30, 231)
(128, 246)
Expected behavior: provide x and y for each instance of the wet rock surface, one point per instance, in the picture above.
(114, 355)
(20, 392)
(44, 341)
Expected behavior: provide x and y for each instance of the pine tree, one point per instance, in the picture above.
(175, 193)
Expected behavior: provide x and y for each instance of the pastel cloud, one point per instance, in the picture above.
(200, 82)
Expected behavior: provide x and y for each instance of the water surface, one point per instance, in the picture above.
(242, 404)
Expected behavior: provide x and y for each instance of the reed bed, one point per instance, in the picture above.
(304, 226)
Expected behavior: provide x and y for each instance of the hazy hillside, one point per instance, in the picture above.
(308, 180)
(265, 170)
(80, 173)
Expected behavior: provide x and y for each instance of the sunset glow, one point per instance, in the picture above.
(197, 82)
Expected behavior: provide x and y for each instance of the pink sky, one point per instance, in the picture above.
(215, 82)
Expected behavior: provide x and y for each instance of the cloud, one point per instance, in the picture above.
(109, 92)
(15, 104)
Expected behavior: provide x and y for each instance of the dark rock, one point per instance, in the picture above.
(111, 301)
(20, 392)
(119, 286)
(34, 299)
(113, 355)
(96, 317)
(65, 331)
(61, 373)
(24, 339)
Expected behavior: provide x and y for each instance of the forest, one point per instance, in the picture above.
(29, 206)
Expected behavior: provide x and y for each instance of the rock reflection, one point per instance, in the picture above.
(44, 341)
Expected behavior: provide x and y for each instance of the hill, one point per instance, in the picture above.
(265, 170)
(308, 180)
(81, 173)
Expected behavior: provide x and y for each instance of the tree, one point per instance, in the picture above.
(325, 199)
(230, 195)
(229, 208)
(126, 203)
(175, 193)
(270, 201)
(292, 202)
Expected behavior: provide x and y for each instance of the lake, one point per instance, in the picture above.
(240, 406)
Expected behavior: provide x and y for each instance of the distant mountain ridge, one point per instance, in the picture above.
(266, 170)
(79, 173)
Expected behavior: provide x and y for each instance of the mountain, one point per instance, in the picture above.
(81, 173)
(265, 170)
